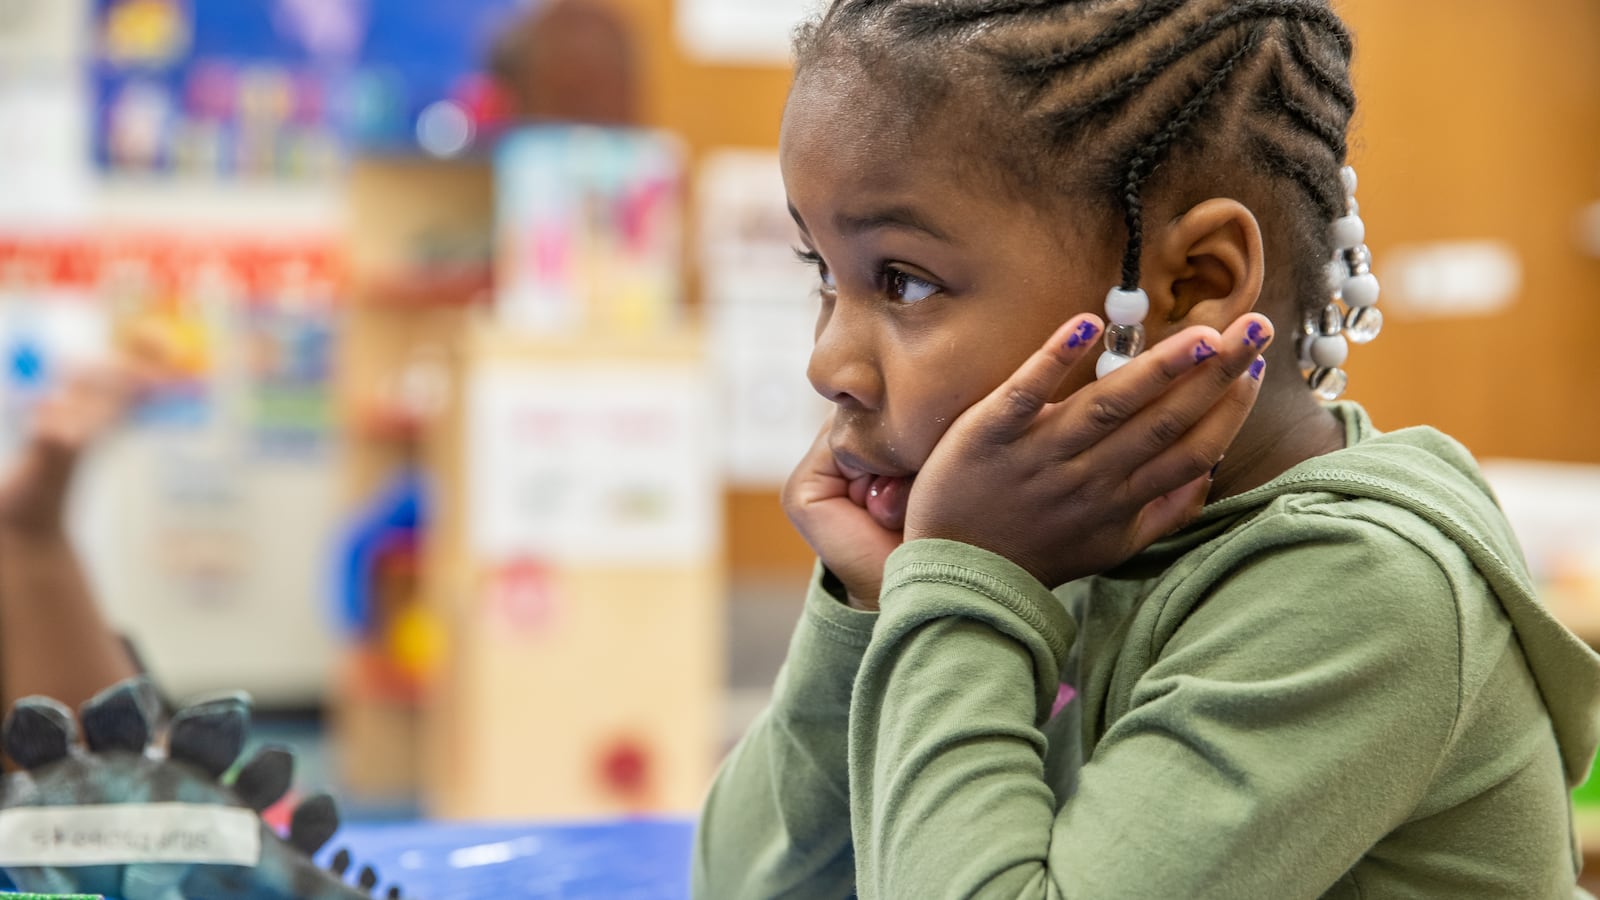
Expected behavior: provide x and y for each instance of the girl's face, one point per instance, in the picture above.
(936, 282)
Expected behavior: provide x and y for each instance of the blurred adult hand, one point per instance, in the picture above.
(87, 403)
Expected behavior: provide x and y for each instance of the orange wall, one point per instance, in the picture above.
(1481, 119)
(710, 106)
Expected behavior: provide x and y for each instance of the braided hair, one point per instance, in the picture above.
(1135, 76)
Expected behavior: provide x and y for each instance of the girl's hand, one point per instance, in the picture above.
(829, 509)
(1072, 488)
(71, 418)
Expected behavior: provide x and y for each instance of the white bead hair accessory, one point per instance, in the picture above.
(1351, 316)
(1125, 339)
(1349, 232)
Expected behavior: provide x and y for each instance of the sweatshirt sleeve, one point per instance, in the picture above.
(1290, 722)
(777, 822)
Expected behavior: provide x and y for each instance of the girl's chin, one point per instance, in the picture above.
(887, 499)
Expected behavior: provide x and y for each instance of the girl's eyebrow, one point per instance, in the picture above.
(903, 218)
(795, 215)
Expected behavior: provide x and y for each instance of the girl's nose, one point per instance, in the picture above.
(843, 366)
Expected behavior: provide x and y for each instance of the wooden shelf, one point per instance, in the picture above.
(461, 286)
(389, 425)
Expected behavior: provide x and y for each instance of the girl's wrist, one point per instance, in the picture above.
(855, 602)
(835, 586)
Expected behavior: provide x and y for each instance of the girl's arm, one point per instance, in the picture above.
(777, 823)
(1273, 739)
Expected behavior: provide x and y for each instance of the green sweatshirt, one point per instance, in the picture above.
(1338, 685)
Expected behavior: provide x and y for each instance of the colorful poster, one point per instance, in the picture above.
(250, 326)
(592, 464)
(289, 335)
(589, 231)
(282, 88)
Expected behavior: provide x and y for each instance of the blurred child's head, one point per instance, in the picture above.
(969, 174)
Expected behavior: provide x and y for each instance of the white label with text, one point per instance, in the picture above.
(129, 833)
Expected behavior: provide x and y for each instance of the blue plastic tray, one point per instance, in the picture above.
(641, 860)
(645, 860)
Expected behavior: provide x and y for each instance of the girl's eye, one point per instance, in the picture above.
(814, 259)
(908, 288)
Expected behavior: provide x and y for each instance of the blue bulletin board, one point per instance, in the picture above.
(282, 88)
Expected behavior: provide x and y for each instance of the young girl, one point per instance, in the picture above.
(1334, 681)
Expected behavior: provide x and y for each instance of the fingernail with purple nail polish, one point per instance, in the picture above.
(1086, 333)
(1204, 352)
(1258, 336)
(1258, 368)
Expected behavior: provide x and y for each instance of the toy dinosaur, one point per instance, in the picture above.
(116, 766)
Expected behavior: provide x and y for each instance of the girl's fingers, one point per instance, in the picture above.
(1202, 447)
(1107, 405)
(1012, 408)
(1167, 418)
(1170, 512)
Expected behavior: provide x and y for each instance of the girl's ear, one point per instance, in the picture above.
(1208, 267)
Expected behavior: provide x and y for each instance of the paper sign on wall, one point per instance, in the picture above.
(761, 313)
(739, 31)
(592, 464)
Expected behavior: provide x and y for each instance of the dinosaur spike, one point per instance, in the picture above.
(266, 778)
(340, 864)
(119, 717)
(368, 878)
(313, 824)
(394, 892)
(210, 735)
(39, 731)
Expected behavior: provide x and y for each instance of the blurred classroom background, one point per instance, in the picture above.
(493, 349)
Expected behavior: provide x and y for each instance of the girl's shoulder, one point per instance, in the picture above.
(1392, 548)
(1417, 492)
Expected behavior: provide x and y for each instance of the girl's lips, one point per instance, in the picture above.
(854, 467)
(887, 498)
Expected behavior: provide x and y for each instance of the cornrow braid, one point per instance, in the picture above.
(1328, 198)
(1280, 99)
(1333, 83)
(923, 23)
(1275, 72)
(1150, 155)
(1235, 15)
(1102, 43)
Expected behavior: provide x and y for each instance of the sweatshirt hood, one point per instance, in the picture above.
(1404, 468)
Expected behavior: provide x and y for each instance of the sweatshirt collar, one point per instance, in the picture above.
(1219, 517)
